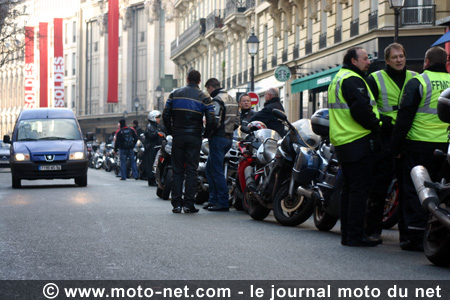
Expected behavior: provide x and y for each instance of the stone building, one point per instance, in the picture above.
(310, 37)
(159, 41)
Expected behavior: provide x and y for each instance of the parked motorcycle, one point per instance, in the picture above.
(297, 157)
(263, 173)
(109, 160)
(163, 168)
(231, 160)
(435, 198)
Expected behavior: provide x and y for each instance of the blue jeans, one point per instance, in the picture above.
(124, 154)
(218, 189)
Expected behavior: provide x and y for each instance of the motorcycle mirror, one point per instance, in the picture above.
(279, 114)
(245, 129)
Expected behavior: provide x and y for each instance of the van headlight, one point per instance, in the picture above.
(22, 157)
(76, 156)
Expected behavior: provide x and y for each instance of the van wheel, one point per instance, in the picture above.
(81, 181)
(16, 184)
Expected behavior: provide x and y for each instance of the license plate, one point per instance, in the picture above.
(4, 161)
(50, 168)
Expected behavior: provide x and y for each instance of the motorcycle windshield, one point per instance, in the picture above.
(264, 134)
(307, 137)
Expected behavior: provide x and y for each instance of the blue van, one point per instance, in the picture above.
(47, 143)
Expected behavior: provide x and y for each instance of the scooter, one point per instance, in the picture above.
(163, 167)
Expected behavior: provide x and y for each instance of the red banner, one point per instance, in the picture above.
(43, 64)
(58, 63)
(30, 93)
(113, 50)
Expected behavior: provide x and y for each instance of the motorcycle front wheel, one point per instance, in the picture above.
(391, 211)
(323, 220)
(291, 212)
(436, 243)
(167, 185)
(254, 209)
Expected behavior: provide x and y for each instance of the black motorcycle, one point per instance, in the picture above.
(435, 197)
(293, 203)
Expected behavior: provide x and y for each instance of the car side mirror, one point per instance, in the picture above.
(6, 139)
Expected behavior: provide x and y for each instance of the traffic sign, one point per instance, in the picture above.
(254, 98)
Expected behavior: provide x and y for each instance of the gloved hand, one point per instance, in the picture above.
(386, 124)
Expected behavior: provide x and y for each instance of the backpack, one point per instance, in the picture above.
(127, 138)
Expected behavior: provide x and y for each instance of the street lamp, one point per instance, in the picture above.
(252, 47)
(158, 94)
(137, 103)
(397, 5)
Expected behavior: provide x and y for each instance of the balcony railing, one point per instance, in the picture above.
(234, 6)
(322, 40)
(239, 78)
(308, 46)
(249, 3)
(244, 78)
(228, 83)
(354, 27)
(274, 61)
(196, 30)
(373, 19)
(418, 15)
(338, 34)
(213, 20)
(233, 80)
(264, 64)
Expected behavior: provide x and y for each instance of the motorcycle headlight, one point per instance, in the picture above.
(76, 156)
(168, 149)
(22, 157)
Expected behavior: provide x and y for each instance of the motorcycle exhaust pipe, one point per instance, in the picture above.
(428, 196)
(301, 191)
(251, 183)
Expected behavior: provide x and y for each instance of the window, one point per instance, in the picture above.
(74, 31)
(66, 62)
(73, 63)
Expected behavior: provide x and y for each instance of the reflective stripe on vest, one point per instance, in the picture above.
(343, 128)
(384, 106)
(427, 127)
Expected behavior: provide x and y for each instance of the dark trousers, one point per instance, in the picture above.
(355, 190)
(185, 158)
(415, 217)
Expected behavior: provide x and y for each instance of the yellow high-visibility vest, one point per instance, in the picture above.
(343, 128)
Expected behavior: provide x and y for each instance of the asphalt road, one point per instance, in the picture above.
(122, 230)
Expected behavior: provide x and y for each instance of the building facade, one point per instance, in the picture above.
(159, 41)
(310, 37)
(143, 62)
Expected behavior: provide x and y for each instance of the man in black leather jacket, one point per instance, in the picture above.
(265, 115)
(183, 119)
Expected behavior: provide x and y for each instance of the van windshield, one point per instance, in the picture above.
(48, 129)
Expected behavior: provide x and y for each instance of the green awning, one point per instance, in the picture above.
(314, 81)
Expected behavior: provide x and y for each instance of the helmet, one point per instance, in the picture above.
(153, 115)
(256, 125)
(443, 106)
